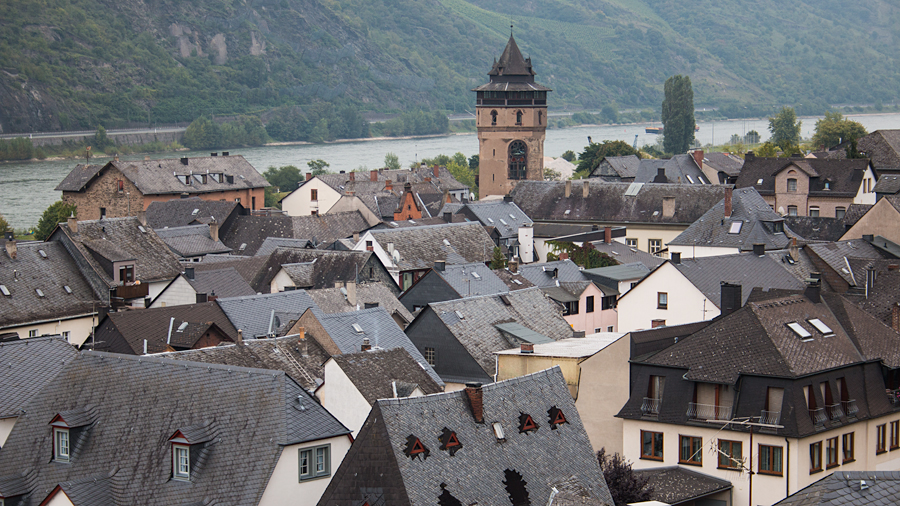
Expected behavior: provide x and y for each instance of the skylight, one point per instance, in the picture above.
(67, 289)
(413, 222)
(567, 212)
(39, 292)
(459, 315)
(4, 290)
(43, 253)
(491, 221)
(475, 275)
(801, 332)
(512, 217)
(182, 327)
(735, 227)
(243, 246)
(689, 178)
(357, 328)
(142, 229)
(821, 327)
(194, 212)
(516, 281)
(394, 224)
(446, 242)
(759, 181)
(503, 222)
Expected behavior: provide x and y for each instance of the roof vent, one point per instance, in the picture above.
(459, 315)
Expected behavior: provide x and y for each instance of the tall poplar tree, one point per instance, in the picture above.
(678, 114)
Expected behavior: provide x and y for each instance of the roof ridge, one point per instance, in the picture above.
(181, 363)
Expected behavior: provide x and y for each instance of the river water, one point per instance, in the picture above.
(27, 188)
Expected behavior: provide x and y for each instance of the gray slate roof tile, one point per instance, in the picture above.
(29, 365)
(746, 269)
(373, 372)
(191, 240)
(331, 300)
(190, 211)
(420, 247)
(252, 314)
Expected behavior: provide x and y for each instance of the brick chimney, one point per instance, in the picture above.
(568, 188)
(373, 176)
(698, 157)
(476, 401)
(585, 189)
(447, 199)
(668, 209)
(365, 345)
(11, 249)
(728, 193)
(72, 222)
(607, 235)
(563, 256)
(427, 179)
(388, 185)
(513, 266)
(308, 176)
(527, 348)
(214, 230)
(437, 171)
(352, 176)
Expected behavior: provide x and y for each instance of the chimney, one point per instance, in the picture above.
(563, 256)
(698, 157)
(585, 189)
(749, 156)
(508, 199)
(189, 273)
(365, 345)
(427, 179)
(351, 292)
(794, 250)
(676, 257)
(568, 188)
(661, 176)
(12, 249)
(184, 160)
(448, 216)
(813, 288)
(240, 338)
(353, 176)
(476, 401)
(212, 296)
(759, 249)
(355, 237)
(437, 171)
(440, 265)
(214, 230)
(657, 323)
(730, 297)
(527, 348)
(513, 266)
(73, 224)
(373, 176)
(447, 199)
(895, 316)
(607, 235)
(388, 186)
(668, 209)
(142, 217)
(728, 193)
(308, 176)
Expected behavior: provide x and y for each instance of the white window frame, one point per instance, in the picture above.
(654, 246)
(814, 211)
(33, 333)
(181, 462)
(631, 242)
(315, 461)
(62, 444)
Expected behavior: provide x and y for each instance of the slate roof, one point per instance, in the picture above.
(627, 255)
(476, 330)
(817, 228)
(747, 270)
(191, 240)
(331, 300)
(121, 239)
(758, 225)
(31, 271)
(845, 176)
(270, 244)
(675, 485)
(884, 294)
(844, 488)
(423, 222)
(246, 266)
(314, 268)
(513, 281)
(160, 177)
(477, 471)
(835, 254)
(613, 275)
(882, 147)
(362, 183)
(373, 372)
(220, 282)
(420, 247)
(280, 354)
(153, 325)
(378, 326)
(542, 274)
(31, 364)
(252, 231)
(576, 347)
(190, 211)
(462, 278)
(131, 436)
(619, 167)
(724, 162)
(680, 169)
(504, 216)
(888, 184)
(608, 202)
(252, 314)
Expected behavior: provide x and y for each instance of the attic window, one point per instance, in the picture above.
(42, 253)
(415, 448)
(735, 227)
(801, 332)
(459, 315)
(182, 327)
(475, 275)
(449, 442)
(181, 462)
(556, 417)
(357, 328)
(4, 290)
(61, 444)
(759, 181)
(67, 289)
(526, 423)
(821, 327)
(39, 292)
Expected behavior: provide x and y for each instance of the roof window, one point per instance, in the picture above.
(413, 222)
(4, 290)
(414, 448)
(42, 253)
(142, 229)
(735, 227)
(821, 327)
(243, 246)
(459, 315)
(357, 328)
(689, 178)
(182, 327)
(504, 222)
(498, 431)
(516, 281)
(446, 242)
(801, 332)
(490, 221)
(394, 224)
(39, 292)
(194, 212)
(475, 275)
(759, 181)
(567, 212)
(67, 289)
(512, 217)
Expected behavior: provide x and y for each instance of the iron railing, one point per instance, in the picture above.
(818, 416)
(650, 406)
(770, 417)
(835, 411)
(708, 412)
(850, 407)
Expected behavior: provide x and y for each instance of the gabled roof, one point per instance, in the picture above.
(173, 395)
(473, 473)
(680, 169)
(377, 373)
(627, 255)
(190, 211)
(884, 294)
(677, 485)
(835, 254)
(848, 488)
(333, 300)
(613, 202)
(472, 279)
(220, 282)
(547, 274)
(817, 228)
(248, 233)
(420, 247)
(253, 314)
(513, 281)
(882, 147)
(270, 244)
(36, 362)
(844, 176)
(620, 167)
(724, 162)
(504, 216)
(888, 184)
(191, 240)
(751, 216)
(314, 268)
(160, 177)
(31, 271)
(476, 330)
(119, 239)
(246, 266)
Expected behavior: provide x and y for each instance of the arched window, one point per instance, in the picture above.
(493, 117)
(518, 160)
(518, 117)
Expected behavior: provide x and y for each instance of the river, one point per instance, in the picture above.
(26, 188)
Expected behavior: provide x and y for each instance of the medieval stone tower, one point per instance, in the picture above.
(511, 116)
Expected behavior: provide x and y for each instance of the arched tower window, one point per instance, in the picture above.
(493, 117)
(518, 160)
(518, 117)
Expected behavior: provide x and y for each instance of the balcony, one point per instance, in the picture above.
(770, 417)
(650, 406)
(818, 416)
(134, 291)
(850, 407)
(708, 412)
(835, 411)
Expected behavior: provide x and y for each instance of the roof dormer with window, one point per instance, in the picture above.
(69, 431)
(189, 448)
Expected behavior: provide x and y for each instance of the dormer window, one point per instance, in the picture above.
(315, 462)
(188, 445)
(415, 449)
(526, 423)
(181, 462)
(61, 444)
(556, 417)
(449, 442)
(67, 427)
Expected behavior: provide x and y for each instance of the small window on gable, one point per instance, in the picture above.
(526, 423)
(415, 449)
(449, 442)
(798, 329)
(821, 327)
(791, 185)
(121, 186)
(556, 417)
(315, 462)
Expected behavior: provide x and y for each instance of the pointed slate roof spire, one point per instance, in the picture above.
(511, 62)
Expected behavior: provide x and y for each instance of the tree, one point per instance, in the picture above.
(463, 174)
(569, 156)
(286, 178)
(678, 114)
(595, 152)
(202, 133)
(271, 197)
(57, 213)
(4, 225)
(318, 166)
(834, 129)
(498, 261)
(391, 161)
(624, 486)
(101, 141)
(785, 128)
(474, 160)
(609, 114)
(752, 137)
(551, 175)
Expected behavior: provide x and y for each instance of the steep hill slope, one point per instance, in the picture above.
(67, 64)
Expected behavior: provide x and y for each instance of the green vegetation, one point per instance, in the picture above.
(57, 213)
(317, 123)
(204, 133)
(586, 256)
(285, 178)
(4, 225)
(318, 166)
(459, 167)
(678, 115)
(391, 161)
(625, 487)
(498, 261)
(595, 152)
(833, 129)
(785, 128)
(417, 122)
(19, 148)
